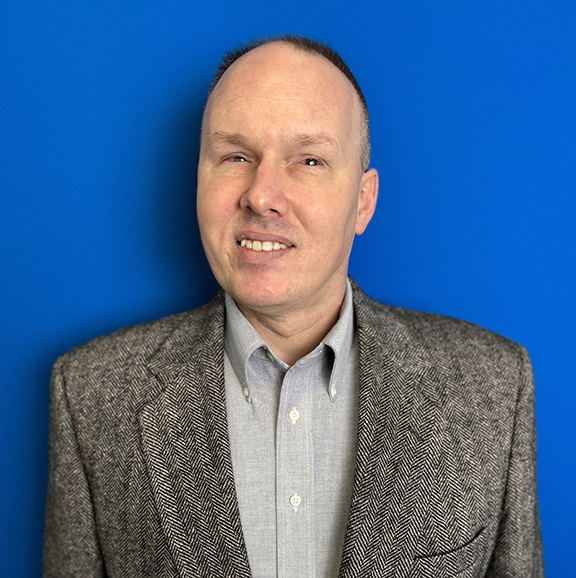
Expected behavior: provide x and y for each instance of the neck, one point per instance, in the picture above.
(293, 335)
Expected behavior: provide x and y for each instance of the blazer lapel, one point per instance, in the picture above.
(185, 440)
(394, 436)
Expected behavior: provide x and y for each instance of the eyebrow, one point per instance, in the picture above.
(229, 137)
(315, 139)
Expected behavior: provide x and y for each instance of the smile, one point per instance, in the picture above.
(255, 245)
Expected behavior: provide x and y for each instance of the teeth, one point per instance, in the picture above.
(256, 245)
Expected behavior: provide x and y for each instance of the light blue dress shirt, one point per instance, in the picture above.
(293, 433)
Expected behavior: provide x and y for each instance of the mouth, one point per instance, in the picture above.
(256, 245)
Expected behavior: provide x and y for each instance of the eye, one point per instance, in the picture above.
(234, 158)
(311, 162)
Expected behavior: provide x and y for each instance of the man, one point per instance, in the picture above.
(292, 427)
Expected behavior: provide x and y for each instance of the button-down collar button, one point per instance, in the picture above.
(269, 355)
(295, 500)
(245, 391)
(333, 392)
(293, 415)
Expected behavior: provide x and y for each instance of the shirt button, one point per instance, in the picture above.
(245, 391)
(295, 500)
(293, 415)
(270, 356)
(333, 392)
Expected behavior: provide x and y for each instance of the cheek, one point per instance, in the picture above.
(333, 215)
(330, 233)
(203, 213)
(210, 230)
(214, 209)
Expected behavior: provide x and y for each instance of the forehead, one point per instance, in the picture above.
(279, 81)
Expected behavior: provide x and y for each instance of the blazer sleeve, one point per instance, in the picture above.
(70, 541)
(518, 549)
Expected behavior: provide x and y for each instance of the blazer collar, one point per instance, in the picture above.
(185, 440)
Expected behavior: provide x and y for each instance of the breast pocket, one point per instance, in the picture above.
(458, 563)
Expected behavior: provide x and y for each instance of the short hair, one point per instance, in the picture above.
(311, 47)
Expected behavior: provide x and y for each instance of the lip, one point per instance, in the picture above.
(258, 236)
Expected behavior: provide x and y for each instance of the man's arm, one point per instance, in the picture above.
(70, 541)
(518, 550)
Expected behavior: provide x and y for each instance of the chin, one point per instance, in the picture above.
(256, 295)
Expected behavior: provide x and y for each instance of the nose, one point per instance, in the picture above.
(266, 195)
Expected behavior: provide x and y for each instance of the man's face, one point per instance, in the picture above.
(281, 192)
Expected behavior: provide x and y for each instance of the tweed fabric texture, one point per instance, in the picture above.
(140, 474)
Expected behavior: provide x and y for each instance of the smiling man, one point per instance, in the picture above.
(292, 427)
(282, 191)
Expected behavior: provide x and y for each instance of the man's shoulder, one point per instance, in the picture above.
(461, 360)
(131, 345)
(435, 334)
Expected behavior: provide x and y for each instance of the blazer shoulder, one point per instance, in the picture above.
(130, 347)
(437, 335)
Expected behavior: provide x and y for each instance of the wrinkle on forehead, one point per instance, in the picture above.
(304, 139)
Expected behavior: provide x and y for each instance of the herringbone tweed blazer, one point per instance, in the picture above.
(141, 481)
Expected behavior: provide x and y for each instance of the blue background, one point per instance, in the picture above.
(473, 109)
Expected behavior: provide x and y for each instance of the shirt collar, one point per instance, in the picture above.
(241, 340)
(340, 339)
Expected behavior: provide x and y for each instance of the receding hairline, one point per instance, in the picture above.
(307, 46)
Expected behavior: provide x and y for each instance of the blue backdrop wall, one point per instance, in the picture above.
(474, 133)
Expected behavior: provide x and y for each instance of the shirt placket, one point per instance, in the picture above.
(295, 475)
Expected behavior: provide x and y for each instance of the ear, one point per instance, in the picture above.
(366, 199)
